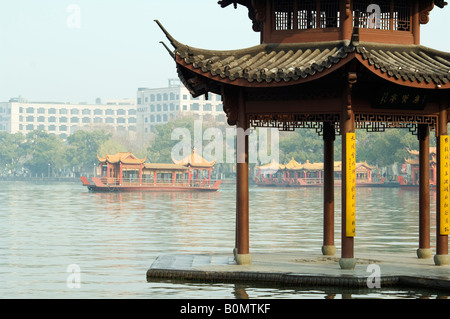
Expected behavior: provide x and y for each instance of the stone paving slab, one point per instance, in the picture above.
(311, 270)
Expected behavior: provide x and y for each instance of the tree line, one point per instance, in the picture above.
(40, 154)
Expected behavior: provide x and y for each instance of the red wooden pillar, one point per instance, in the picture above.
(140, 175)
(329, 136)
(173, 178)
(443, 191)
(243, 256)
(424, 250)
(347, 260)
(155, 177)
(120, 173)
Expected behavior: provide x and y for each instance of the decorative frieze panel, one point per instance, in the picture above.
(380, 122)
(290, 122)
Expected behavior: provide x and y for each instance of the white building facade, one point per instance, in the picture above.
(156, 106)
(62, 119)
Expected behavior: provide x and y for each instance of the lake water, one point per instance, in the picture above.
(114, 238)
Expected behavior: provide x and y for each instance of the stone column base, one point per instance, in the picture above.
(424, 253)
(328, 250)
(243, 259)
(347, 263)
(441, 260)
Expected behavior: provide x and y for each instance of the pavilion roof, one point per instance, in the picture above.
(286, 64)
(272, 166)
(121, 157)
(293, 164)
(195, 160)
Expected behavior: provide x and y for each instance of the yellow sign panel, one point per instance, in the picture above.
(350, 169)
(444, 194)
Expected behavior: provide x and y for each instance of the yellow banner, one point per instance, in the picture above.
(444, 194)
(350, 169)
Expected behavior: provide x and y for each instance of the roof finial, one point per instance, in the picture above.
(172, 40)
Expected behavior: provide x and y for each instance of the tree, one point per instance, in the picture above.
(83, 148)
(44, 153)
(161, 148)
(11, 151)
(384, 148)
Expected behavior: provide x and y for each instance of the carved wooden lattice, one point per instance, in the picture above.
(290, 122)
(380, 122)
(369, 122)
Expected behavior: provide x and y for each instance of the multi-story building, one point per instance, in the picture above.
(63, 119)
(156, 106)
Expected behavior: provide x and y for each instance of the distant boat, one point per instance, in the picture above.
(124, 172)
(294, 174)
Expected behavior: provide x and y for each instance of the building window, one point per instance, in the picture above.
(63, 128)
(165, 108)
(305, 14)
(86, 112)
(158, 107)
(98, 120)
(132, 112)
(41, 127)
(74, 120)
(52, 128)
(30, 119)
(63, 111)
(109, 112)
(86, 120)
(74, 111)
(207, 107)
(98, 112)
(52, 111)
(121, 120)
(158, 118)
(41, 119)
(219, 107)
(63, 119)
(195, 107)
(52, 119)
(109, 120)
(384, 15)
(30, 127)
(41, 110)
(132, 120)
(30, 110)
(121, 112)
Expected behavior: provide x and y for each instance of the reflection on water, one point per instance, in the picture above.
(114, 238)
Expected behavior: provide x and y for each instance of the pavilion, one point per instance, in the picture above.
(333, 66)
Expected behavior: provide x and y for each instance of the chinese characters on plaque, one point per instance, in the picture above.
(444, 204)
(406, 99)
(350, 169)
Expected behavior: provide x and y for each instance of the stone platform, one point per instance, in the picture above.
(307, 270)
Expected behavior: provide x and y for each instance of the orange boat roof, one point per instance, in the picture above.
(195, 160)
(121, 157)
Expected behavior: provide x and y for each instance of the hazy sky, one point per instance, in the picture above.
(78, 50)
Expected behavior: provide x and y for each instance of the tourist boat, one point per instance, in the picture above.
(294, 174)
(124, 172)
(410, 170)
